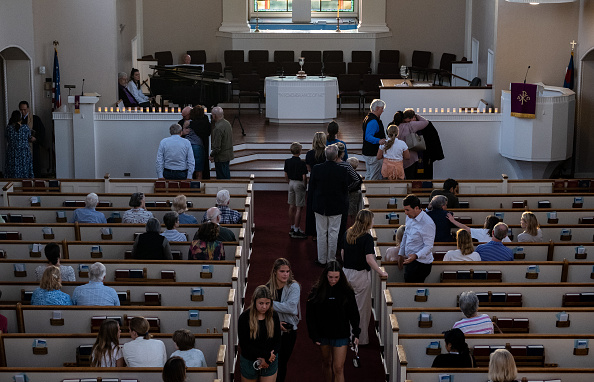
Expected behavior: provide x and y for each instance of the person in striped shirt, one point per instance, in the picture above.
(474, 323)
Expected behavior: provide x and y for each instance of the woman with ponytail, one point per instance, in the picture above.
(143, 351)
(458, 354)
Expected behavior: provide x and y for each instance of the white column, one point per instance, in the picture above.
(235, 16)
(83, 134)
(302, 11)
(372, 16)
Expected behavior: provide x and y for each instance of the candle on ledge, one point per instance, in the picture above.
(442, 109)
(129, 110)
(179, 109)
(417, 110)
(424, 110)
(496, 110)
(98, 110)
(430, 110)
(466, 110)
(490, 110)
(484, 110)
(136, 109)
(448, 109)
(159, 110)
(111, 109)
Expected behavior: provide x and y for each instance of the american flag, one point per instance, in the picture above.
(56, 100)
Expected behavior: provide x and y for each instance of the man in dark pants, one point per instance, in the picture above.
(417, 242)
(175, 158)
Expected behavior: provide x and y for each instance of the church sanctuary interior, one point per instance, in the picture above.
(507, 85)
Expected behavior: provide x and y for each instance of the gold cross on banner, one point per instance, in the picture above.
(573, 44)
(523, 97)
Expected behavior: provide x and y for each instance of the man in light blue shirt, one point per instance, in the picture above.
(417, 242)
(175, 158)
(95, 293)
(494, 250)
(88, 214)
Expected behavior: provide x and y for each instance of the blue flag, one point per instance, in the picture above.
(56, 100)
(568, 83)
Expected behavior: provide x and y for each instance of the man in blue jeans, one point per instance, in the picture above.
(222, 144)
(175, 158)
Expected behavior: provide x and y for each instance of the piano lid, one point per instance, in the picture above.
(191, 72)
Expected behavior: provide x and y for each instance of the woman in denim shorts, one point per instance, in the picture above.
(259, 338)
(331, 313)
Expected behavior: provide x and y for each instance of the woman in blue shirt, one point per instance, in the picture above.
(49, 292)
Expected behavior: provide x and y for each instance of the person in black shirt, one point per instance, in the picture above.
(331, 313)
(296, 176)
(358, 254)
(458, 353)
(259, 338)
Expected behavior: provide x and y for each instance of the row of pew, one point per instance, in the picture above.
(205, 297)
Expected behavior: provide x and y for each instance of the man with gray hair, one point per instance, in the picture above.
(94, 292)
(374, 135)
(222, 144)
(213, 214)
(125, 96)
(89, 214)
(437, 211)
(329, 184)
(228, 216)
(494, 250)
(175, 158)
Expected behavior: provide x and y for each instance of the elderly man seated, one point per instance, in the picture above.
(474, 323)
(125, 96)
(213, 214)
(494, 250)
(95, 293)
(228, 216)
(88, 214)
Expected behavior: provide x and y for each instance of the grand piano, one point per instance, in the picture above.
(189, 85)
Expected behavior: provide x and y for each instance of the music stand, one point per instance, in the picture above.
(238, 118)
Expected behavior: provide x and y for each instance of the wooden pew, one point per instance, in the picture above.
(558, 347)
(541, 320)
(481, 374)
(61, 348)
(144, 374)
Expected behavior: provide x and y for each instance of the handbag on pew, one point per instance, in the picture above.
(415, 142)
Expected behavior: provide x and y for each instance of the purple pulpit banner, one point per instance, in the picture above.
(523, 100)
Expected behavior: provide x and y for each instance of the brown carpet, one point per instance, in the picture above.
(272, 241)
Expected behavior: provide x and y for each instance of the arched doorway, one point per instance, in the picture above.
(585, 133)
(16, 74)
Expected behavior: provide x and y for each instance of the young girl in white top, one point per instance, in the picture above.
(107, 351)
(465, 251)
(393, 152)
(532, 232)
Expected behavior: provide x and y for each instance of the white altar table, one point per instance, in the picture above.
(308, 100)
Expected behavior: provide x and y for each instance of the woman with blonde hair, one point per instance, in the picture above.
(285, 292)
(259, 338)
(532, 232)
(313, 157)
(49, 292)
(393, 153)
(107, 351)
(180, 205)
(143, 351)
(358, 254)
(465, 251)
(502, 367)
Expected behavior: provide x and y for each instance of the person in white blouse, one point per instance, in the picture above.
(482, 235)
(52, 253)
(143, 351)
(135, 87)
(465, 251)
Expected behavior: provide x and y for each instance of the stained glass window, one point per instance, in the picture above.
(316, 5)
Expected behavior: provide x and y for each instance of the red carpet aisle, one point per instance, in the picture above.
(272, 240)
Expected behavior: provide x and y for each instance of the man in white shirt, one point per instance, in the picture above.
(417, 242)
(175, 158)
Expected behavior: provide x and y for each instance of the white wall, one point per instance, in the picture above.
(483, 29)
